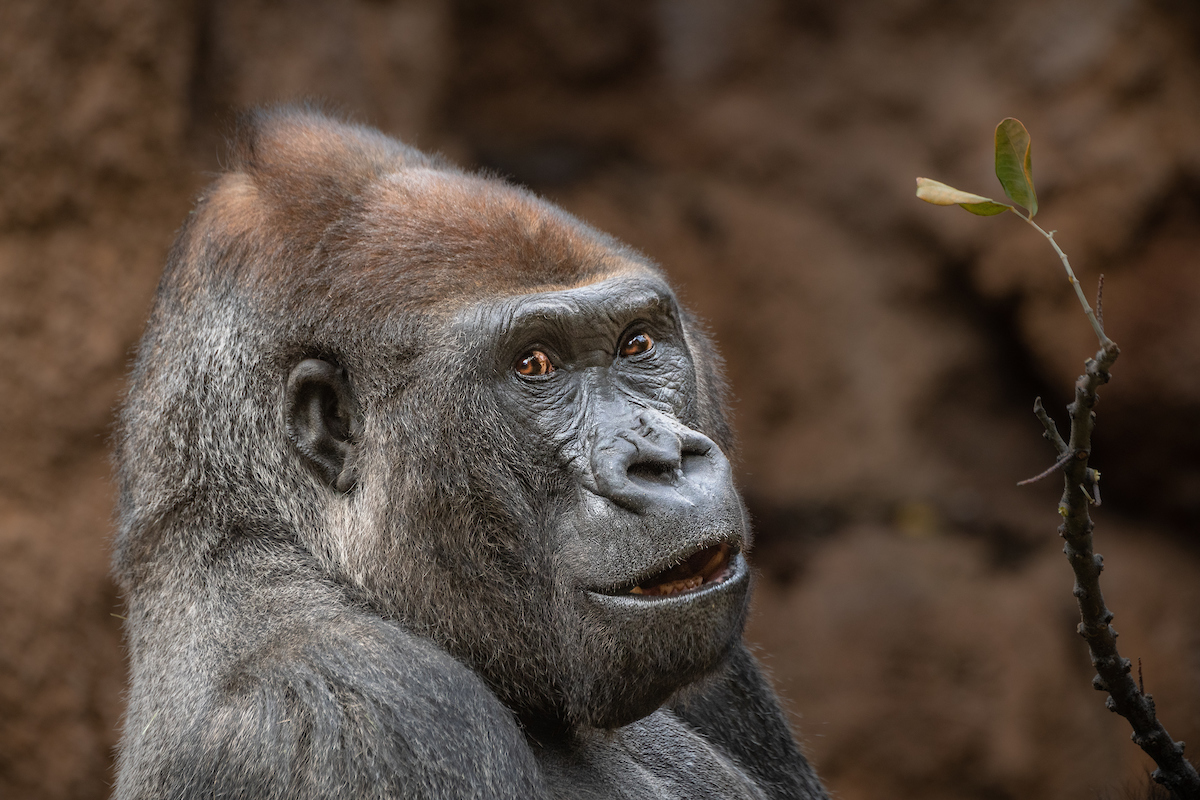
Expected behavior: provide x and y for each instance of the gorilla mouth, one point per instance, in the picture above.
(703, 568)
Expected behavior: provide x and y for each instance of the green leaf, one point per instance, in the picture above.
(1014, 166)
(940, 194)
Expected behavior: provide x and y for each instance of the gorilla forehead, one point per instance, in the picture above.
(496, 239)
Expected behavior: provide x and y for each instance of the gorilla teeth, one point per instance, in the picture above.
(707, 565)
(674, 587)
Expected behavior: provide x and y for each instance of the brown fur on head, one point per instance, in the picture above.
(343, 210)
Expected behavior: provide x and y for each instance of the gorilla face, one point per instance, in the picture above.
(587, 560)
(649, 530)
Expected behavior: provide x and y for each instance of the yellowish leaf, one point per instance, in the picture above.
(940, 194)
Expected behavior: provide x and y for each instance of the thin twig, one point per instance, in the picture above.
(1105, 342)
(1113, 672)
(1100, 300)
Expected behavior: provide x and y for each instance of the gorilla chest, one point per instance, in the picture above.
(656, 757)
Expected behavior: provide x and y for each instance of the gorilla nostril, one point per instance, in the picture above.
(654, 472)
(695, 454)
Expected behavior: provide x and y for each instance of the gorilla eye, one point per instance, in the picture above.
(534, 364)
(637, 343)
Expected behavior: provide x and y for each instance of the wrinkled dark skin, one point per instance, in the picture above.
(425, 494)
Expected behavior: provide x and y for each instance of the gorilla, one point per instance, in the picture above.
(424, 494)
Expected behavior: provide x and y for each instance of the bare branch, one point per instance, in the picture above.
(1113, 672)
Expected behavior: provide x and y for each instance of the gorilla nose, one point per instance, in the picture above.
(652, 462)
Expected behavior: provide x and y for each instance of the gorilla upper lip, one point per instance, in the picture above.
(704, 567)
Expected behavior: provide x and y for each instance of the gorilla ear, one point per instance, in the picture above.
(323, 420)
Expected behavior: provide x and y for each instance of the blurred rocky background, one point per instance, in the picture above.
(913, 605)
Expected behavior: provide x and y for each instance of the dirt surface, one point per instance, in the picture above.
(913, 606)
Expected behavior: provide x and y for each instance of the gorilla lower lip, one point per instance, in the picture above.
(707, 566)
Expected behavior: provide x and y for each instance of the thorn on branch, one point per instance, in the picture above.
(1055, 467)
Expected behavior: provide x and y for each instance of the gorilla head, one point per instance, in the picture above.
(471, 414)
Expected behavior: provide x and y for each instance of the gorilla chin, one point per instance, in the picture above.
(713, 613)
